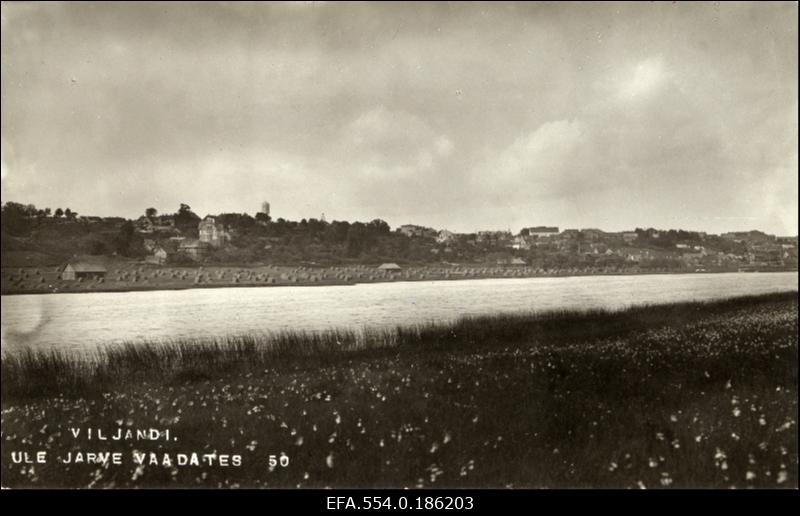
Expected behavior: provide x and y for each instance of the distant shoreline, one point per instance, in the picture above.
(336, 282)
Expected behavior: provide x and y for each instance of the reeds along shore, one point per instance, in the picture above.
(683, 395)
(32, 373)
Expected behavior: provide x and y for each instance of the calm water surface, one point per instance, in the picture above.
(84, 321)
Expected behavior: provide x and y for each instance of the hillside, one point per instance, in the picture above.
(32, 238)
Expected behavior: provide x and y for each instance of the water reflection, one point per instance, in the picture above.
(81, 321)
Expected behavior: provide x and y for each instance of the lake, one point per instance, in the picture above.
(82, 321)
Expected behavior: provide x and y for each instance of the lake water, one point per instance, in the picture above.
(83, 321)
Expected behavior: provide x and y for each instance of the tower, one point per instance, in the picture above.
(265, 208)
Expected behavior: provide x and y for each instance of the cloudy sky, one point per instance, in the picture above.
(461, 116)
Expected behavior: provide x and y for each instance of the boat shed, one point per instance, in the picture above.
(78, 270)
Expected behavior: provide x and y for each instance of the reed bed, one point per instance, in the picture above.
(680, 395)
(32, 373)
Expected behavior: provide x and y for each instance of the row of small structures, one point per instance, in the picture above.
(88, 276)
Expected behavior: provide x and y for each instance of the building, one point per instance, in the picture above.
(82, 270)
(390, 267)
(514, 262)
(144, 224)
(543, 231)
(633, 254)
(159, 256)
(194, 248)
(693, 259)
(149, 245)
(593, 234)
(596, 248)
(521, 242)
(493, 237)
(750, 237)
(412, 230)
(162, 223)
(265, 208)
(212, 233)
(445, 237)
(762, 255)
(629, 236)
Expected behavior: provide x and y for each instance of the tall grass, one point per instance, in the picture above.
(36, 373)
(678, 395)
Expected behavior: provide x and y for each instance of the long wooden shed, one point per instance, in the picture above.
(77, 270)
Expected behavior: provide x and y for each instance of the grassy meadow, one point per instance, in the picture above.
(681, 395)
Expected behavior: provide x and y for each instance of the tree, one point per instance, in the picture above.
(580, 238)
(15, 219)
(59, 213)
(97, 247)
(127, 242)
(360, 238)
(151, 212)
(336, 232)
(525, 232)
(186, 217)
(354, 242)
(236, 220)
(123, 238)
(379, 226)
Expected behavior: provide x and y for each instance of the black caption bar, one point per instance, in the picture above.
(397, 501)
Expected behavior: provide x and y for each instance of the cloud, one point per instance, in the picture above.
(647, 76)
(450, 114)
(381, 143)
(444, 146)
(654, 151)
(384, 129)
(5, 157)
(540, 163)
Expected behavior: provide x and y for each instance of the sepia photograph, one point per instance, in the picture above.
(415, 246)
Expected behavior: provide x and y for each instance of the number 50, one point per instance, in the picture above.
(283, 461)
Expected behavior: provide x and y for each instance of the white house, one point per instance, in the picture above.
(445, 237)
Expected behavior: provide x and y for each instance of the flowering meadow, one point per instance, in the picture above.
(683, 395)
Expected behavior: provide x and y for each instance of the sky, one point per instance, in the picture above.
(465, 116)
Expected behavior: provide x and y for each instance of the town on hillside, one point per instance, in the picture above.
(77, 245)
